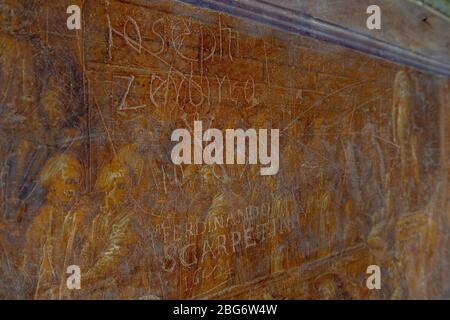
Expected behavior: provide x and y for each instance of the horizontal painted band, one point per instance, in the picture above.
(301, 23)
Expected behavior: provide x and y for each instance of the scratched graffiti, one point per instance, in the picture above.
(87, 178)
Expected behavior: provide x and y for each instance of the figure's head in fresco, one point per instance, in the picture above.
(115, 183)
(62, 177)
(15, 15)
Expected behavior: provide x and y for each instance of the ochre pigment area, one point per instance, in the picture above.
(87, 177)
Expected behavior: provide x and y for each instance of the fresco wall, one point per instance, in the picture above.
(87, 178)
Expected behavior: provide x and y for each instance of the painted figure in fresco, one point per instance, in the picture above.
(402, 176)
(144, 160)
(108, 234)
(61, 112)
(214, 269)
(18, 103)
(207, 259)
(404, 103)
(142, 157)
(417, 107)
(317, 195)
(118, 254)
(55, 236)
(39, 108)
